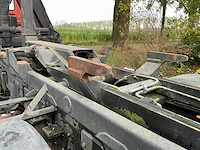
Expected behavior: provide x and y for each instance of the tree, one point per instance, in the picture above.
(163, 4)
(192, 8)
(121, 21)
(164, 8)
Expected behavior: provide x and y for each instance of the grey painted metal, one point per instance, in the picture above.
(188, 79)
(44, 55)
(63, 60)
(64, 50)
(19, 135)
(36, 99)
(29, 111)
(34, 21)
(100, 120)
(86, 140)
(181, 85)
(53, 131)
(36, 113)
(57, 46)
(14, 101)
(27, 22)
(161, 121)
(19, 30)
(41, 15)
(156, 59)
(33, 114)
(115, 145)
(129, 87)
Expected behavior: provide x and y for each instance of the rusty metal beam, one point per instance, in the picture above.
(82, 68)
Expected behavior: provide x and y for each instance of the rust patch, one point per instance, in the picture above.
(25, 115)
(174, 56)
(22, 62)
(82, 68)
(75, 73)
(3, 54)
(103, 50)
(167, 57)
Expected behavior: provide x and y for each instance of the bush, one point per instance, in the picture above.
(188, 31)
(194, 56)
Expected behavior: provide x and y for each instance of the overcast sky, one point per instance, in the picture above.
(79, 10)
(82, 10)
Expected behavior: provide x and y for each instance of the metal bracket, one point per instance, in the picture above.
(29, 111)
(36, 99)
(88, 142)
(53, 131)
(156, 59)
(62, 59)
(111, 141)
(104, 54)
(15, 101)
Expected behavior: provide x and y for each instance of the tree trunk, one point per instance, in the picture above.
(164, 5)
(121, 21)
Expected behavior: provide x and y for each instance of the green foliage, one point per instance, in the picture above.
(132, 116)
(181, 68)
(174, 27)
(190, 6)
(128, 114)
(189, 34)
(194, 56)
(197, 71)
(181, 28)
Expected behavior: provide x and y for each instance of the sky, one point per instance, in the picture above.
(79, 10)
(67, 11)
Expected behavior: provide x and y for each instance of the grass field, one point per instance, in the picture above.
(84, 36)
(91, 36)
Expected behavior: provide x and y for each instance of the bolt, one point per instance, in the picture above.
(83, 145)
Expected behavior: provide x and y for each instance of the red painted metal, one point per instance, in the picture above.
(16, 12)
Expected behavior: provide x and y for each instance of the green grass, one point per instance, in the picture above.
(91, 36)
(84, 36)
